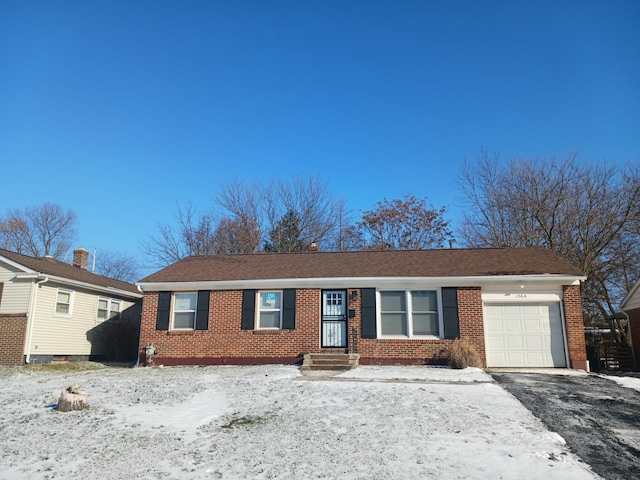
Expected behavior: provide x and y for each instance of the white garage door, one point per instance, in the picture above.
(524, 335)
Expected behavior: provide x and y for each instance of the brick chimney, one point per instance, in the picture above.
(81, 258)
(313, 247)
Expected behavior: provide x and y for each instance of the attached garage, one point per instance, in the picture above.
(524, 334)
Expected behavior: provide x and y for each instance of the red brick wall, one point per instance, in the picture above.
(575, 327)
(634, 326)
(13, 332)
(226, 342)
(418, 351)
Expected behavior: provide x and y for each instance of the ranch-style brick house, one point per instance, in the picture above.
(52, 310)
(519, 307)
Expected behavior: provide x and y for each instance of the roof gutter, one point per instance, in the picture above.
(39, 281)
(364, 282)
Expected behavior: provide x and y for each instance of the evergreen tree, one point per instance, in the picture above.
(285, 237)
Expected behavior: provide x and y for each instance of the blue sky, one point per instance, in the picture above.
(120, 109)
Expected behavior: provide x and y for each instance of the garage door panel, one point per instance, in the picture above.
(497, 327)
(524, 335)
(513, 342)
(513, 327)
(515, 358)
(533, 342)
(534, 326)
(536, 359)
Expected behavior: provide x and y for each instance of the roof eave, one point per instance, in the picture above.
(629, 295)
(362, 282)
(17, 265)
(76, 283)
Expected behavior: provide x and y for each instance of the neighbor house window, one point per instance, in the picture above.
(63, 302)
(409, 313)
(184, 310)
(270, 309)
(108, 308)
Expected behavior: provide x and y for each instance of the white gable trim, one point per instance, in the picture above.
(17, 265)
(632, 300)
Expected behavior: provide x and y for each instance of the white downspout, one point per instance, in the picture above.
(32, 305)
(140, 328)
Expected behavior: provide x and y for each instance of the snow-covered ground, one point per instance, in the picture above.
(264, 422)
(628, 382)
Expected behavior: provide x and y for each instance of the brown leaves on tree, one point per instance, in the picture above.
(402, 224)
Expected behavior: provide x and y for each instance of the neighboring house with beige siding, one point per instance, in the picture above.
(53, 310)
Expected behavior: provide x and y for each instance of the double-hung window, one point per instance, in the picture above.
(63, 302)
(270, 309)
(409, 313)
(184, 310)
(108, 308)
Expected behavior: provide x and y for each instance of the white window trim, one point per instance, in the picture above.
(55, 304)
(173, 311)
(409, 313)
(109, 311)
(259, 310)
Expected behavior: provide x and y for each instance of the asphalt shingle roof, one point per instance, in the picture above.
(56, 268)
(366, 264)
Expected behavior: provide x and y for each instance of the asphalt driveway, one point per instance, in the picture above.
(599, 419)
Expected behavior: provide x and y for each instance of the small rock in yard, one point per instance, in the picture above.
(72, 398)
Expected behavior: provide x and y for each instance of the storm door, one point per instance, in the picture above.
(334, 318)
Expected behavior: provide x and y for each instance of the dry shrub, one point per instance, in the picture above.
(462, 354)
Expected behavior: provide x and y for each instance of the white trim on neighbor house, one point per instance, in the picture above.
(510, 281)
(632, 300)
(74, 283)
(16, 265)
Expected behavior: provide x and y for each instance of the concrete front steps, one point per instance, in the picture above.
(330, 361)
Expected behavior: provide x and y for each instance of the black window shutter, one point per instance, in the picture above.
(368, 312)
(289, 308)
(1, 285)
(248, 309)
(164, 308)
(450, 312)
(202, 312)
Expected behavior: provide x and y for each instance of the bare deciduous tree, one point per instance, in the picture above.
(241, 215)
(316, 208)
(192, 234)
(116, 265)
(407, 224)
(38, 230)
(586, 213)
(239, 235)
(239, 229)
